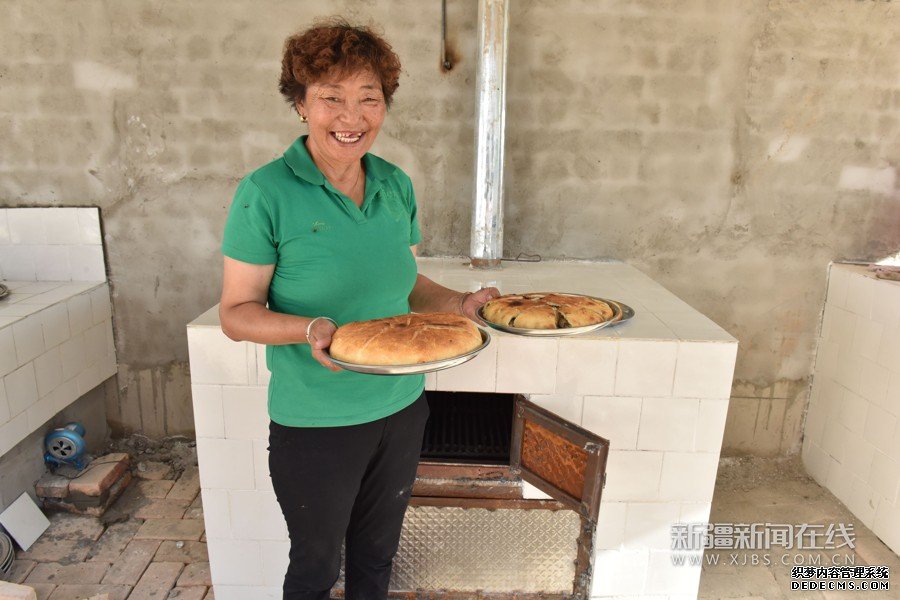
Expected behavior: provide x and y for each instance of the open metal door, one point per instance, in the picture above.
(568, 463)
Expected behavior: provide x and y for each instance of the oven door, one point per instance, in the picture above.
(559, 458)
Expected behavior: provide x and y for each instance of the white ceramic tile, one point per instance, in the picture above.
(255, 515)
(694, 512)
(72, 355)
(860, 295)
(839, 481)
(704, 370)
(80, 313)
(873, 385)
(62, 396)
(586, 367)
(886, 304)
(274, 562)
(21, 389)
(710, 425)
(633, 475)
(215, 358)
(13, 432)
(645, 368)
(89, 225)
(525, 365)
(89, 378)
(566, 406)
(476, 375)
(87, 263)
(51, 263)
(40, 412)
(880, 426)
(619, 572)
(263, 375)
(61, 226)
(244, 410)
(645, 326)
(26, 225)
(816, 461)
(614, 418)
(225, 464)
(17, 262)
(24, 521)
(835, 439)
(649, 524)
(216, 514)
(838, 284)
(849, 371)
(4, 405)
(852, 412)
(261, 464)
(668, 424)
(55, 325)
(95, 342)
(688, 476)
(8, 360)
(100, 305)
(235, 562)
(887, 525)
(866, 338)
(4, 228)
(889, 350)
(884, 477)
(209, 417)
(48, 371)
(29, 339)
(664, 576)
(858, 458)
(610, 533)
(842, 325)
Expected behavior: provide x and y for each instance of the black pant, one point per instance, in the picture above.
(348, 484)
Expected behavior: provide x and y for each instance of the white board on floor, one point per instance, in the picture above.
(24, 521)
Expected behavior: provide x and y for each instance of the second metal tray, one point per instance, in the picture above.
(621, 313)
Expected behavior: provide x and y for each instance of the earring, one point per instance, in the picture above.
(303, 118)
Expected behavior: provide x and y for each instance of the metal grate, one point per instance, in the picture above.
(466, 426)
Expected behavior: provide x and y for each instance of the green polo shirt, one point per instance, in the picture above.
(331, 259)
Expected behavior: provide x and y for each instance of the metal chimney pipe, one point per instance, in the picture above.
(487, 216)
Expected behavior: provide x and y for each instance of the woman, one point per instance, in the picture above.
(323, 236)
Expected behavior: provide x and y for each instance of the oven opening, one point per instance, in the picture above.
(468, 427)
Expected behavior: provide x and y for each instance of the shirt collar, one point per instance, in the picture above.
(301, 163)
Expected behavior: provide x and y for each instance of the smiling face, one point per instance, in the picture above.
(345, 116)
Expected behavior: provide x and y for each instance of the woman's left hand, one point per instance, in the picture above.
(472, 301)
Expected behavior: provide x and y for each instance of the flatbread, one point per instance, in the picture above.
(405, 339)
(546, 310)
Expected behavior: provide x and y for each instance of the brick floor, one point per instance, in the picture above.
(140, 549)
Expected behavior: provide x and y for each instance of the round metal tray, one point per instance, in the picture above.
(426, 367)
(621, 313)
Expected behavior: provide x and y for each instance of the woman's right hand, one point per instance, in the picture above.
(319, 338)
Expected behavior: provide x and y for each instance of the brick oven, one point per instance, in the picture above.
(553, 467)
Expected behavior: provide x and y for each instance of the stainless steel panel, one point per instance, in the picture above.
(499, 550)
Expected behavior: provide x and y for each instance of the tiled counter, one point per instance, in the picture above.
(56, 337)
(852, 434)
(657, 388)
(56, 344)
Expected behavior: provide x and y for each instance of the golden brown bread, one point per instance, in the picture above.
(542, 310)
(405, 339)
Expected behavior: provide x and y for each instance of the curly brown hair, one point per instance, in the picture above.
(332, 48)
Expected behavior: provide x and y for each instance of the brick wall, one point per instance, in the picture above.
(729, 149)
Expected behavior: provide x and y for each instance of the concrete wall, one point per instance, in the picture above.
(728, 148)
